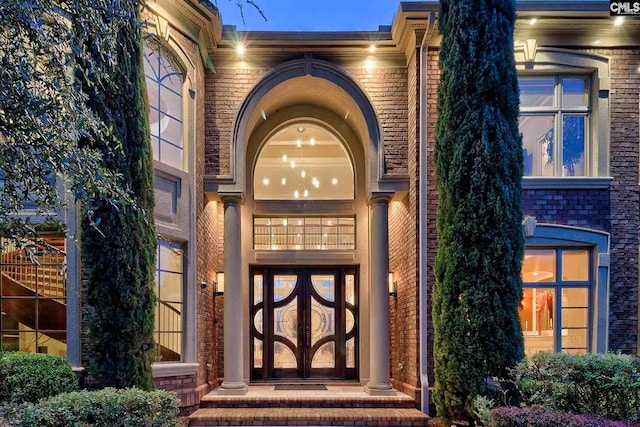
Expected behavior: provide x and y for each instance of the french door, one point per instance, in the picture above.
(304, 323)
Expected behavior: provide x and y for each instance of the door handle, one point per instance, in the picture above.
(308, 336)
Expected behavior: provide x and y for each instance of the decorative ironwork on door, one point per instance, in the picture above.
(304, 323)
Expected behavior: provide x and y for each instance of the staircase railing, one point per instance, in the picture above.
(45, 275)
(169, 320)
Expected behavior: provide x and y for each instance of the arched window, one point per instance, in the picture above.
(164, 89)
(303, 161)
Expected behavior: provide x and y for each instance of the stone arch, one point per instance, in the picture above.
(364, 118)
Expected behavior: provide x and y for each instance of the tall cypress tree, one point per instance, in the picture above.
(118, 241)
(478, 154)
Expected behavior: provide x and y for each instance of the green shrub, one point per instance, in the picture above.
(29, 377)
(539, 417)
(103, 408)
(606, 385)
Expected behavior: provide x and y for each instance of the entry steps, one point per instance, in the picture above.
(337, 406)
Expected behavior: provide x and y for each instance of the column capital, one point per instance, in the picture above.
(379, 197)
(232, 198)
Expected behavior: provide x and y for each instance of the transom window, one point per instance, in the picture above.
(304, 233)
(303, 161)
(164, 90)
(554, 122)
(169, 292)
(555, 307)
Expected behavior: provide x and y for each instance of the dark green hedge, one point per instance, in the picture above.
(606, 385)
(28, 377)
(103, 408)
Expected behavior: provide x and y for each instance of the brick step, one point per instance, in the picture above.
(399, 402)
(209, 417)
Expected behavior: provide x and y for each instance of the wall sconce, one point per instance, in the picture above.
(393, 286)
(219, 290)
(203, 285)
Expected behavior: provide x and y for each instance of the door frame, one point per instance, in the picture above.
(267, 372)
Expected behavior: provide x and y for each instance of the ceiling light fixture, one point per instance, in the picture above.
(533, 21)
(619, 20)
(240, 49)
(265, 181)
(334, 181)
(313, 141)
(372, 48)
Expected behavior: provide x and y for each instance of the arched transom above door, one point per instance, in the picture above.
(303, 160)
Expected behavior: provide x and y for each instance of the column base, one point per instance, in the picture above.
(232, 389)
(371, 391)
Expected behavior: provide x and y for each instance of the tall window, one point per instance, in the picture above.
(554, 121)
(303, 161)
(164, 90)
(555, 308)
(169, 292)
(33, 297)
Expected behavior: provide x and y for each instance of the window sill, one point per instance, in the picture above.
(173, 369)
(568, 183)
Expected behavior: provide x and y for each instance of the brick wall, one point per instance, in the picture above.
(403, 258)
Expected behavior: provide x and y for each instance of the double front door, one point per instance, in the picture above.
(304, 323)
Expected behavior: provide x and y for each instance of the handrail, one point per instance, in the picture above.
(46, 277)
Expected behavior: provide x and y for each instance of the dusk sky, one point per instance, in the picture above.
(304, 15)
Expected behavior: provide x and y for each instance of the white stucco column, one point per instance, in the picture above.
(233, 328)
(379, 349)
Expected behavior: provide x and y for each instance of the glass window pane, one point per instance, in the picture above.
(304, 161)
(283, 357)
(575, 297)
(350, 289)
(324, 285)
(171, 155)
(257, 289)
(537, 144)
(350, 321)
(171, 104)
(325, 356)
(351, 353)
(539, 265)
(575, 265)
(171, 131)
(573, 145)
(155, 147)
(170, 287)
(169, 256)
(574, 340)
(323, 321)
(258, 321)
(283, 285)
(574, 92)
(536, 91)
(257, 353)
(169, 346)
(153, 95)
(537, 315)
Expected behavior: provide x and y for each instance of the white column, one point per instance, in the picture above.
(379, 348)
(233, 382)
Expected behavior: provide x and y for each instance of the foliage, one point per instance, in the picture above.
(478, 154)
(607, 385)
(481, 407)
(103, 408)
(43, 116)
(29, 377)
(539, 417)
(119, 269)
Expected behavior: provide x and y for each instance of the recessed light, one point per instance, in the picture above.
(372, 48)
(334, 181)
(299, 143)
(313, 141)
(293, 164)
(284, 181)
(303, 174)
(306, 193)
(618, 21)
(533, 21)
(265, 181)
(284, 158)
(296, 194)
(240, 49)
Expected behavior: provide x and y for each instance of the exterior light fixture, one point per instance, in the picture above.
(533, 21)
(372, 48)
(619, 20)
(393, 286)
(219, 284)
(240, 49)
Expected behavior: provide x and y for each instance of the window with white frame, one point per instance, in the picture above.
(164, 90)
(555, 124)
(169, 292)
(555, 308)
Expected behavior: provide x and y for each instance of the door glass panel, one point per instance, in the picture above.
(257, 321)
(257, 353)
(351, 353)
(325, 356)
(285, 321)
(575, 265)
(350, 321)
(537, 319)
(322, 321)
(283, 286)
(283, 357)
(257, 289)
(325, 286)
(350, 291)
